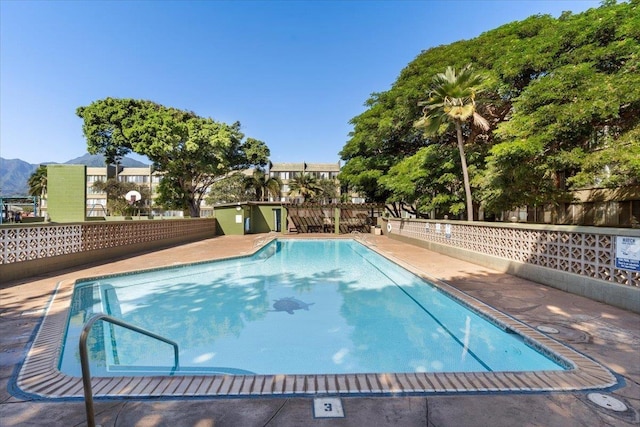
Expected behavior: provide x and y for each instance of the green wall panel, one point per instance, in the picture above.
(262, 218)
(66, 193)
(226, 217)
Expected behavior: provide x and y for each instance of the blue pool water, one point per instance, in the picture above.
(295, 307)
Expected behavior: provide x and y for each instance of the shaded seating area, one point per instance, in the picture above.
(307, 224)
(358, 222)
(315, 218)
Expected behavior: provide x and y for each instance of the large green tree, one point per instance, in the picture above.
(116, 192)
(191, 151)
(233, 188)
(383, 135)
(562, 100)
(428, 183)
(576, 124)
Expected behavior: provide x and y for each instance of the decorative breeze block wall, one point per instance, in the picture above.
(587, 253)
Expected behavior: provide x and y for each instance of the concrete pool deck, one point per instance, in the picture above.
(606, 334)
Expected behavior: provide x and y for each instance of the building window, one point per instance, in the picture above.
(137, 179)
(95, 178)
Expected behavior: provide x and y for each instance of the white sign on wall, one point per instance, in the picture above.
(238, 219)
(628, 253)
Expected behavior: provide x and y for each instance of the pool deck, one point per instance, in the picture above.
(608, 335)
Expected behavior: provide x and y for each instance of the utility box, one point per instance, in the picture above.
(248, 218)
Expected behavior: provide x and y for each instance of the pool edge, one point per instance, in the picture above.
(40, 377)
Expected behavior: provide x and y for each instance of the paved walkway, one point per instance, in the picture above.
(608, 335)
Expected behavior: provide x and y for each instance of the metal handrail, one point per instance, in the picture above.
(357, 235)
(84, 357)
(263, 240)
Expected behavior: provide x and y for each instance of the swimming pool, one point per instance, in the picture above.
(39, 376)
(295, 307)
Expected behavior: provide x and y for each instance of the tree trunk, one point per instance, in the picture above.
(194, 208)
(465, 172)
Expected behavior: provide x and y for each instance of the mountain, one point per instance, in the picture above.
(14, 173)
(97, 160)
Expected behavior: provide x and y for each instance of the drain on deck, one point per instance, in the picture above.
(547, 329)
(607, 402)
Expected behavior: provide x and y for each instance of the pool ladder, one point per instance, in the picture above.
(263, 240)
(84, 357)
(357, 235)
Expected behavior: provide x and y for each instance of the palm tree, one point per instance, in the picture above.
(329, 190)
(38, 182)
(305, 186)
(264, 185)
(452, 100)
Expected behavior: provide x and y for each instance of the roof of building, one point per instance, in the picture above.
(249, 203)
(323, 167)
(307, 167)
(134, 171)
(282, 167)
(103, 170)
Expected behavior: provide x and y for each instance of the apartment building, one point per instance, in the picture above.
(147, 177)
(289, 171)
(97, 200)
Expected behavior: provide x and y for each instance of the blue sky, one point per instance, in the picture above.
(293, 73)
